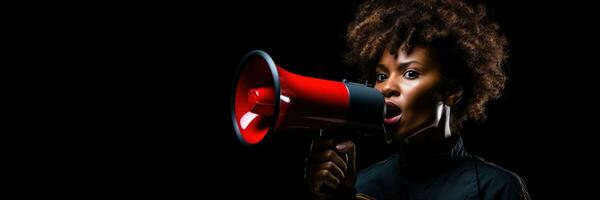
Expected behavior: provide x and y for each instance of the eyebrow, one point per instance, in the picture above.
(381, 67)
(406, 64)
(401, 65)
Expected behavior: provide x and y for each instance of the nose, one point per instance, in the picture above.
(389, 88)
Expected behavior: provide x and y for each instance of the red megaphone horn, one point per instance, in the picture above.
(266, 99)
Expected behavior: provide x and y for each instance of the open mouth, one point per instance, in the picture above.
(392, 113)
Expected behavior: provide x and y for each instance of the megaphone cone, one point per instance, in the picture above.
(269, 99)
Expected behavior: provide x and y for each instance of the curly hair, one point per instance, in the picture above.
(470, 47)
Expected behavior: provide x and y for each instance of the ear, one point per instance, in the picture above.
(453, 95)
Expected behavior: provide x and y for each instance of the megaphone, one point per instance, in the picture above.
(267, 99)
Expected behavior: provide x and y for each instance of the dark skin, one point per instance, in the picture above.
(412, 84)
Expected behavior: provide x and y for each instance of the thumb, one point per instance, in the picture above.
(348, 149)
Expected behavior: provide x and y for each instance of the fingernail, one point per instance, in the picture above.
(340, 147)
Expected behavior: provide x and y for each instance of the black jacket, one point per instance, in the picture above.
(451, 176)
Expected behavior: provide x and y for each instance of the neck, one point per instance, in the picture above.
(424, 160)
(437, 132)
(427, 147)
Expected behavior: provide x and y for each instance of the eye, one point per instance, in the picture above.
(411, 74)
(381, 77)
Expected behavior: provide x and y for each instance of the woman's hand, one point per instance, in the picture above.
(330, 166)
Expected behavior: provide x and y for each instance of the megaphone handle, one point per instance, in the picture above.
(340, 191)
(339, 135)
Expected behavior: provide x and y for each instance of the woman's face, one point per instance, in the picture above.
(410, 83)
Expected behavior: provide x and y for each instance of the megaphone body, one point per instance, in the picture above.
(268, 99)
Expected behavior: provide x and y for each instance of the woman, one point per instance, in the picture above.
(437, 63)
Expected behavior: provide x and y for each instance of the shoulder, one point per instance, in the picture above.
(384, 167)
(494, 181)
(373, 181)
(489, 172)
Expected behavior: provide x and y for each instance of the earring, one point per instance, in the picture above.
(447, 131)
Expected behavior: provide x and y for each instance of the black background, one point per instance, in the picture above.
(152, 82)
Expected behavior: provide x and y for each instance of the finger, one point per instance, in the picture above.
(349, 149)
(330, 155)
(331, 167)
(344, 147)
(325, 177)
